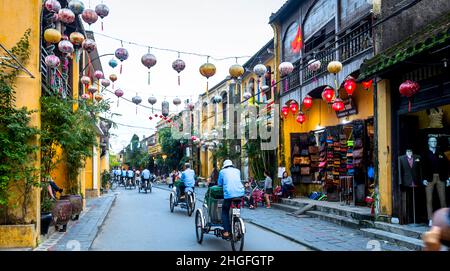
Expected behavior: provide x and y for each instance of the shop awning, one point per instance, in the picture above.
(431, 37)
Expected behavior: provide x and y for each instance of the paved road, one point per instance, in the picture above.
(144, 222)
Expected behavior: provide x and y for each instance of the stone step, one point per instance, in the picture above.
(404, 241)
(285, 207)
(405, 230)
(337, 219)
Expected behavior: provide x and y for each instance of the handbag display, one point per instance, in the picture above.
(305, 171)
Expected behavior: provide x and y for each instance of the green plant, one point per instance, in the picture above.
(105, 179)
(47, 205)
(19, 143)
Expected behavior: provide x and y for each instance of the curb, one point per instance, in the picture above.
(267, 229)
(102, 219)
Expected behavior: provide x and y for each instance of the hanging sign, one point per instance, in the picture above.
(349, 109)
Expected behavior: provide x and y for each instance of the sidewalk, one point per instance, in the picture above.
(80, 234)
(311, 232)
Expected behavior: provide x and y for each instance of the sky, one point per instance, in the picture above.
(219, 28)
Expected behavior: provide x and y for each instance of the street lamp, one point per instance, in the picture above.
(164, 157)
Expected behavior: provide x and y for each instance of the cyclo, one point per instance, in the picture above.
(187, 202)
(209, 218)
(145, 184)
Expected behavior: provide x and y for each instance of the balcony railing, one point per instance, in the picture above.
(355, 41)
(54, 80)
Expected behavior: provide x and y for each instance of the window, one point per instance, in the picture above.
(291, 32)
(350, 8)
(319, 15)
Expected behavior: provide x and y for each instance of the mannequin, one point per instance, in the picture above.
(410, 174)
(435, 116)
(436, 173)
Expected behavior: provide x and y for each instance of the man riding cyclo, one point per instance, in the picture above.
(187, 181)
(145, 177)
(124, 176)
(130, 175)
(230, 180)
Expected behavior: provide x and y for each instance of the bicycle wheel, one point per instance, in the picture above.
(199, 226)
(172, 202)
(189, 204)
(150, 187)
(237, 238)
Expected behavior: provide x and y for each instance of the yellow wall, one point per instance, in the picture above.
(322, 114)
(59, 174)
(88, 173)
(424, 119)
(384, 147)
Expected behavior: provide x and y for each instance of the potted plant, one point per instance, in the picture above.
(47, 206)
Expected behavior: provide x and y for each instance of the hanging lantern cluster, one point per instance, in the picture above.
(409, 89)
(178, 65)
(148, 60)
(102, 11)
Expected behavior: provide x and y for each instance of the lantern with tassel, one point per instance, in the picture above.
(122, 55)
(236, 71)
(136, 100)
(165, 109)
(92, 89)
(152, 100)
(207, 70)
(409, 89)
(350, 85)
(293, 106)
(76, 6)
(118, 93)
(53, 6)
(338, 105)
(328, 95)
(113, 63)
(176, 101)
(148, 60)
(113, 79)
(285, 69)
(301, 118)
(66, 16)
(52, 61)
(285, 111)
(65, 47)
(105, 83)
(89, 16)
(102, 11)
(89, 45)
(307, 102)
(52, 36)
(366, 84)
(179, 65)
(85, 96)
(86, 81)
(260, 70)
(98, 74)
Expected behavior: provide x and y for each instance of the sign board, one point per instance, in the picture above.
(349, 109)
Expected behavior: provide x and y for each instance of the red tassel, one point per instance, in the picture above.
(178, 80)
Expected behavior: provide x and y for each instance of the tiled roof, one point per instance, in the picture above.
(285, 8)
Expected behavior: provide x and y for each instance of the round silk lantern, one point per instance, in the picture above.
(328, 95)
(89, 45)
(105, 83)
(52, 35)
(122, 55)
(99, 75)
(285, 68)
(92, 89)
(334, 67)
(176, 101)
(314, 65)
(366, 84)
(165, 108)
(409, 89)
(136, 100)
(98, 97)
(236, 71)
(89, 16)
(52, 61)
(76, 38)
(285, 111)
(301, 118)
(207, 70)
(66, 16)
(102, 11)
(307, 102)
(113, 63)
(113, 79)
(338, 105)
(178, 65)
(293, 106)
(85, 96)
(85, 80)
(118, 93)
(152, 100)
(260, 70)
(65, 47)
(350, 85)
(148, 60)
(76, 6)
(52, 6)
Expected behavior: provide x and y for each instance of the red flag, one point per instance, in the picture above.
(297, 43)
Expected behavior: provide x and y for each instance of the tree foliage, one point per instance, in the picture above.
(172, 148)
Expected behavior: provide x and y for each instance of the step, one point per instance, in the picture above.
(336, 219)
(343, 212)
(285, 207)
(400, 240)
(295, 203)
(405, 230)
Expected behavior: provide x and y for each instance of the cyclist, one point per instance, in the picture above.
(130, 175)
(187, 180)
(145, 175)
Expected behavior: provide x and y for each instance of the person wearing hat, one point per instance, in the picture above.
(230, 180)
(187, 179)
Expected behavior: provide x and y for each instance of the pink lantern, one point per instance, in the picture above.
(102, 11)
(178, 65)
(105, 83)
(52, 61)
(66, 16)
(52, 6)
(92, 89)
(148, 60)
(89, 16)
(122, 55)
(314, 65)
(85, 80)
(286, 68)
(65, 47)
(118, 93)
(89, 45)
(99, 75)
(85, 96)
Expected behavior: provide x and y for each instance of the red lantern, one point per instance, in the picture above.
(285, 111)
(307, 102)
(156, 115)
(150, 118)
(350, 85)
(161, 116)
(301, 118)
(366, 84)
(293, 107)
(328, 94)
(408, 89)
(338, 105)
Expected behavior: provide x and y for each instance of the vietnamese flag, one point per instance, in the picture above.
(297, 43)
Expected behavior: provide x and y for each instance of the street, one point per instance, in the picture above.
(139, 221)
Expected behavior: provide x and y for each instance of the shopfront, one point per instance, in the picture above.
(330, 152)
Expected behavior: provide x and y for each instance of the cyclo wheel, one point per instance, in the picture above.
(150, 186)
(188, 204)
(237, 238)
(198, 227)
(172, 202)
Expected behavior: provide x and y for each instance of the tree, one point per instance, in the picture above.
(172, 148)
